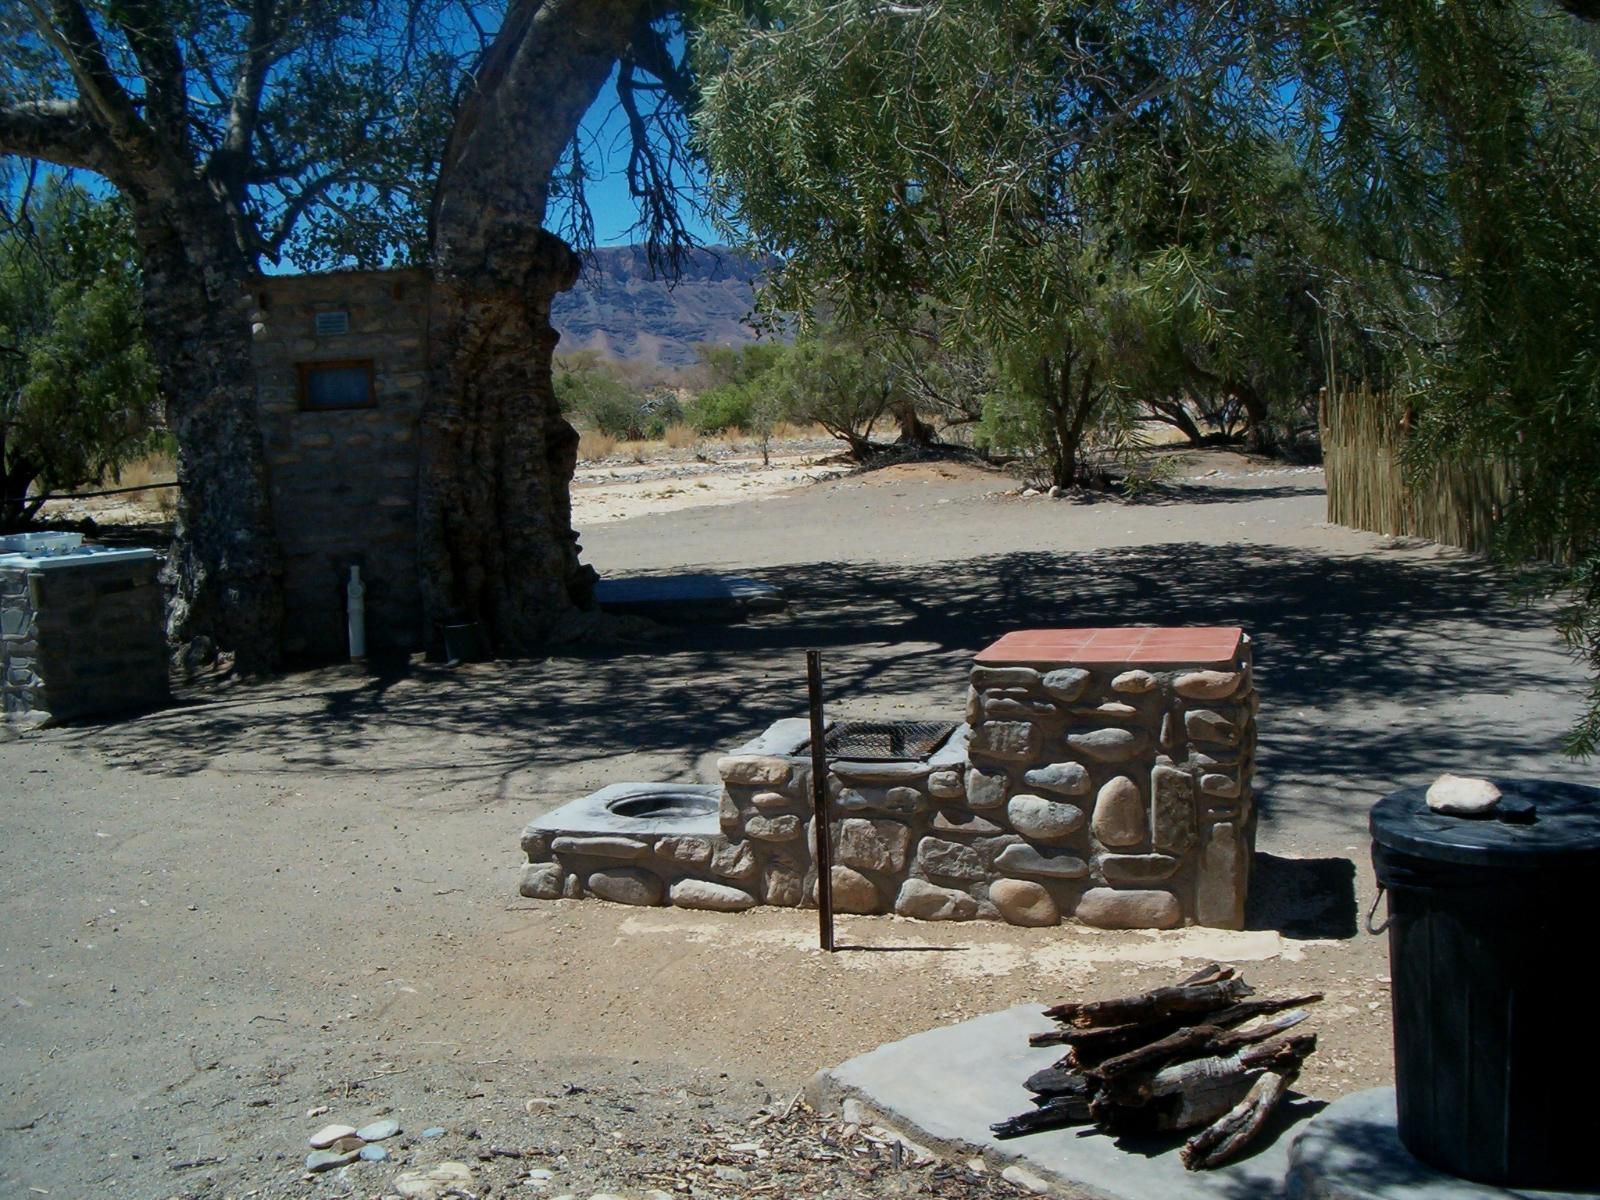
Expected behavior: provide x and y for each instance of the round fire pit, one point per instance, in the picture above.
(664, 802)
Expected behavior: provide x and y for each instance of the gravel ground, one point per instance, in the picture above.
(271, 900)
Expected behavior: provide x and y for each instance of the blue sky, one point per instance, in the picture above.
(606, 128)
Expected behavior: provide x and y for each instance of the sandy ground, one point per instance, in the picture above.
(269, 900)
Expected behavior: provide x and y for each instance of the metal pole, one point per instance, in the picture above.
(819, 802)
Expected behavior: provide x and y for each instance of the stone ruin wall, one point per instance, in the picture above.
(343, 482)
(1117, 798)
(82, 639)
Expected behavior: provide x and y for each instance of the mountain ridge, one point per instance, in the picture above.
(618, 311)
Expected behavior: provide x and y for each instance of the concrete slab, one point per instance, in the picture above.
(699, 597)
(639, 810)
(945, 1087)
(1351, 1151)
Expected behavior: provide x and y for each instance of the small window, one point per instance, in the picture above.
(331, 385)
(331, 324)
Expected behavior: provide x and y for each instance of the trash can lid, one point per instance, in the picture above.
(1563, 827)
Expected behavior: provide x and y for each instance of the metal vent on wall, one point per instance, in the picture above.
(330, 323)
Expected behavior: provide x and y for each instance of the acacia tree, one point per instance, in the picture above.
(233, 132)
(974, 159)
(317, 129)
(77, 388)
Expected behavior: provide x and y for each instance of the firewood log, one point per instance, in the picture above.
(1225, 1138)
(1058, 1113)
(1195, 1093)
(1197, 1041)
(1152, 1005)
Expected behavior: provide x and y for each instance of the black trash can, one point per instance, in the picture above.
(1492, 956)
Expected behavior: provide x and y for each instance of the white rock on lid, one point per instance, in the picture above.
(1461, 796)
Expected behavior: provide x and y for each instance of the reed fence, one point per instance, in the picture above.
(1363, 440)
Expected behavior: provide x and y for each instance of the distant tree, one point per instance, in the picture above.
(78, 395)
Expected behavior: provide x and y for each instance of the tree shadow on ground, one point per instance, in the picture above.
(1332, 633)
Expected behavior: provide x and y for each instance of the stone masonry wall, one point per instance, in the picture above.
(1130, 788)
(82, 639)
(343, 483)
(1113, 795)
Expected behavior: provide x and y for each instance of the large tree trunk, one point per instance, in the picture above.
(495, 542)
(225, 570)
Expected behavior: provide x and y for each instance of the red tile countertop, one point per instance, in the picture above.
(1205, 645)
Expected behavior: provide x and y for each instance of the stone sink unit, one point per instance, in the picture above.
(1102, 776)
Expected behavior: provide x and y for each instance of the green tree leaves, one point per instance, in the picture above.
(77, 388)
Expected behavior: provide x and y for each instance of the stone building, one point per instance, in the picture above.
(341, 369)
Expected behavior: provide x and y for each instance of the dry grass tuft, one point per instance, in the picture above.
(158, 468)
(594, 445)
(680, 435)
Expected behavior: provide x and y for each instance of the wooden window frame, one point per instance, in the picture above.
(303, 372)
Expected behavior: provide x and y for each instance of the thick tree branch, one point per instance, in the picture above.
(161, 66)
(57, 131)
(67, 27)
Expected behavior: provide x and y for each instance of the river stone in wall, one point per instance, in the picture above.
(1172, 806)
(1024, 903)
(1206, 685)
(773, 829)
(1043, 820)
(946, 785)
(1029, 860)
(952, 860)
(1224, 871)
(691, 851)
(542, 881)
(755, 770)
(785, 881)
(1204, 725)
(1006, 739)
(718, 897)
(1107, 908)
(1107, 745)
(1137, 869)
(874, 845)
(1134, 683)
(1067, 683)
(626, 849)
(927, 902)
(1065, 778)
(986, 789)
(626, 885)
(736, 861)
(1119, 817)
(853, 892)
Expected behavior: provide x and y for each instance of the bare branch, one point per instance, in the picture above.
(67, 27)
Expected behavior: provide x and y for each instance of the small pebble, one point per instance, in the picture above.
(329, 1134)
(541, 1173)
(379, 1130)
(433, 1131)
(327, 1160)
(373, 1154)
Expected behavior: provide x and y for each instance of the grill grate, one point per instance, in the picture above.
(884, 741)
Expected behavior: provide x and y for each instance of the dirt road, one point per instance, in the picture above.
(270, 900)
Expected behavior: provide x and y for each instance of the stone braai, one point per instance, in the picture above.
(1102, 775)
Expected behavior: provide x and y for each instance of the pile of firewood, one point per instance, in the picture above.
(1202, 1055)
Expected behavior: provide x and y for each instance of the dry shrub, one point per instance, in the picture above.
(680, 434)
(788, 431)
(156, 468)
(594, 446)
